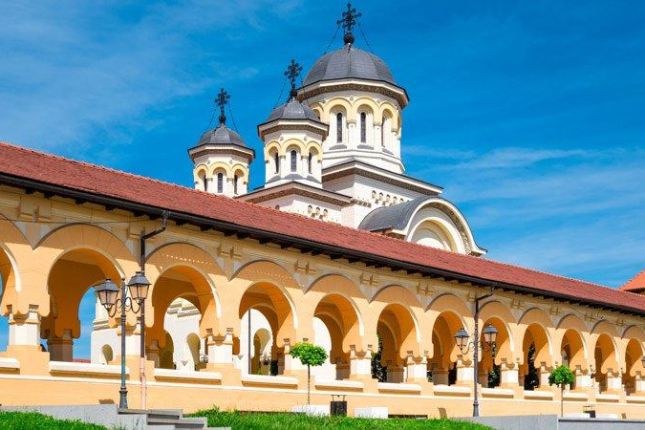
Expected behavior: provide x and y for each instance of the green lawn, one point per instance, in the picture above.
(288, 421)
(31, 421)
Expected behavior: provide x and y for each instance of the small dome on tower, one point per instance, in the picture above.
(293, 110)
(221, 135)
(349, 62)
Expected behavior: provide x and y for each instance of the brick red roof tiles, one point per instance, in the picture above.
(635, 285)
(49, 169)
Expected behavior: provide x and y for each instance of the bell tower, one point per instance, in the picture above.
(221, 159)
(293, 137)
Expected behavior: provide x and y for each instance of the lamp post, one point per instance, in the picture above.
(463, 342)
(113, 300)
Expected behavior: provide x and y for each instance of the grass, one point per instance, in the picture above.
(289, 421)
(32, 420)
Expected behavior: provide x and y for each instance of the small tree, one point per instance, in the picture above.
(309, 355)
(561, 376)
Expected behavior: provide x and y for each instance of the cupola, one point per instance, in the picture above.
(293, 136)
(355, 93)
(221, 159)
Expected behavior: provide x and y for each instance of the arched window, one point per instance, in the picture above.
(294, 161)
(363, 127)
(309, 162)
(220, 183)
(205, 183)
(386, 131)
(339, 127)
(276, 161)
(235, 181)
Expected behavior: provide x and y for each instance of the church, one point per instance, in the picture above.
(338, 247)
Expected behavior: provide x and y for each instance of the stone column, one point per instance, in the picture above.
(360, 364)
(509, 375)
(378, 142)
(614, 381)
(342, 370)
(152, 352)
(292, 366)
(465, 373)
(220, 349)
(24, 330)
(417, 370)
(639, 383)
(544, 373)
(483, 378)
(395, 373)
(352, 136)
(440, 376)
(583, 378)
(61, 348)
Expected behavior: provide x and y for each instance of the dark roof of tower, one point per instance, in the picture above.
(221, 135)
(293, 110)
(349, 62)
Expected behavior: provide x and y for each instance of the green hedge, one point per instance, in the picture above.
(289, 421)
(31, 421)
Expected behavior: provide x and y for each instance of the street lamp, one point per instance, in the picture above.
(464, 344)
(462, 339)
(113, 300)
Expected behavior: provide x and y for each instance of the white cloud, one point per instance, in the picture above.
(566, 211)
(72, 68)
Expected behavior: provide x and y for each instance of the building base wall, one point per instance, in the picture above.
(263, 394)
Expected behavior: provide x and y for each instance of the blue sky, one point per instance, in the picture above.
(530, 114)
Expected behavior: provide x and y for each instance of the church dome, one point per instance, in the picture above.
(293, 110)
(222, 135)
(349, 62)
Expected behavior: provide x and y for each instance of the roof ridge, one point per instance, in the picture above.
(627, 287)
(154, 193)
(289, 214)
(108, 169)
(158, 181)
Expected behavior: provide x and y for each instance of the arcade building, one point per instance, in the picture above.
(338, 247)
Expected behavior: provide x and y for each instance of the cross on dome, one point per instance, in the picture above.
(222, 100)
(292, 73)
(348, 22)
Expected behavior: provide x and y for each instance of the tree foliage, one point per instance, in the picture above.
(309, 354)
(532, 379)
(379, 371)
(561, 376)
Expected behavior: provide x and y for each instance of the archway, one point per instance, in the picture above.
(7, 281)
(183, 304)
(340, 323)
(261, 353)
(633, 357)
(572, 351)
(604, 361)
(264, 309)
(70, 280)
(396, 331)
(489, 369)
(166, 358)
(442, 366)
(535, 347)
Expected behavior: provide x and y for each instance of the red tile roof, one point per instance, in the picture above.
(636, 285)
(22, 163)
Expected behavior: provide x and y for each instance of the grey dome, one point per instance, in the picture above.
(349, 62)
(294, 110)
(222, 135)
